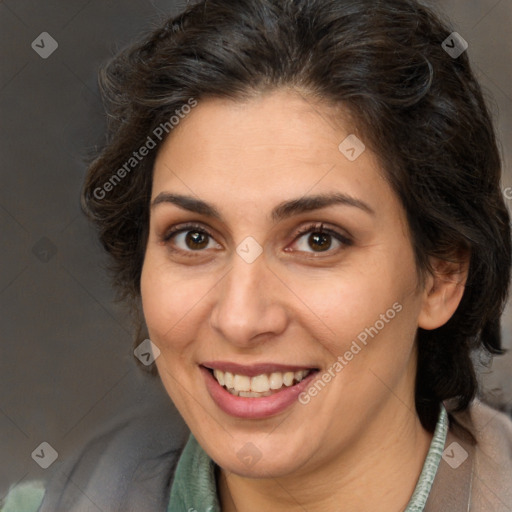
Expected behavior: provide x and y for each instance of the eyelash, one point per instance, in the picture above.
(311, 228)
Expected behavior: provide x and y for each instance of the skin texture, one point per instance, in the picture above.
(359, 442)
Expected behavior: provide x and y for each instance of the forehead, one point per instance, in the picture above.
(275, 146)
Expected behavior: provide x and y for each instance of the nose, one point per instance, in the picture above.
(250, 308)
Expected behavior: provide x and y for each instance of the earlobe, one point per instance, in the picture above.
(443, 292)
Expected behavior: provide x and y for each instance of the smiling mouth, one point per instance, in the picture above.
(265, 384)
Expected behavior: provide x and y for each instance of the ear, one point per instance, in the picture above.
(443, 291)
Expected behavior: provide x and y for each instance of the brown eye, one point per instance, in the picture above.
(321, 241)
(196, 239)
(188, 239)
(317, 239)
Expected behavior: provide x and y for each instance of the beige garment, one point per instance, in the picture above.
(482, 482)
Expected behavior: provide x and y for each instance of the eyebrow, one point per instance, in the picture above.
(281, 211)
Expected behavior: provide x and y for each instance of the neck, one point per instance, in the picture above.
(378, 472)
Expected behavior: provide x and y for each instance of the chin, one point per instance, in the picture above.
(260, 456)
(279, 468)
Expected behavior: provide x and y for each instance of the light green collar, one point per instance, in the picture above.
(194, 488)
(428, 473)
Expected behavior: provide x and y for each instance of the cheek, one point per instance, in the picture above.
(348, 301)
(168, 300)
(372, 301)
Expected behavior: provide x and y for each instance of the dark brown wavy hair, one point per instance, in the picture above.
(421, 111)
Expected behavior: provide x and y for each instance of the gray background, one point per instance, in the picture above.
(66, 363)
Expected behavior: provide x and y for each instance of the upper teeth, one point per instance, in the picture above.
(260, 383)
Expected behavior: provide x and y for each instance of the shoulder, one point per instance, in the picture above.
(491, 429)
(127, 466)
(492, 470)
(127, 463)
(25, 497)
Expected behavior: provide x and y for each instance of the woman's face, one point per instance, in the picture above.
(254, 290)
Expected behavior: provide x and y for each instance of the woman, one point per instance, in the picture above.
(302, 199)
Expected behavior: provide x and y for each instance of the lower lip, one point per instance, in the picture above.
(254, 408)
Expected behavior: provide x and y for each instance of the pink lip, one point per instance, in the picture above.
(254, 369)
(254, 408)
